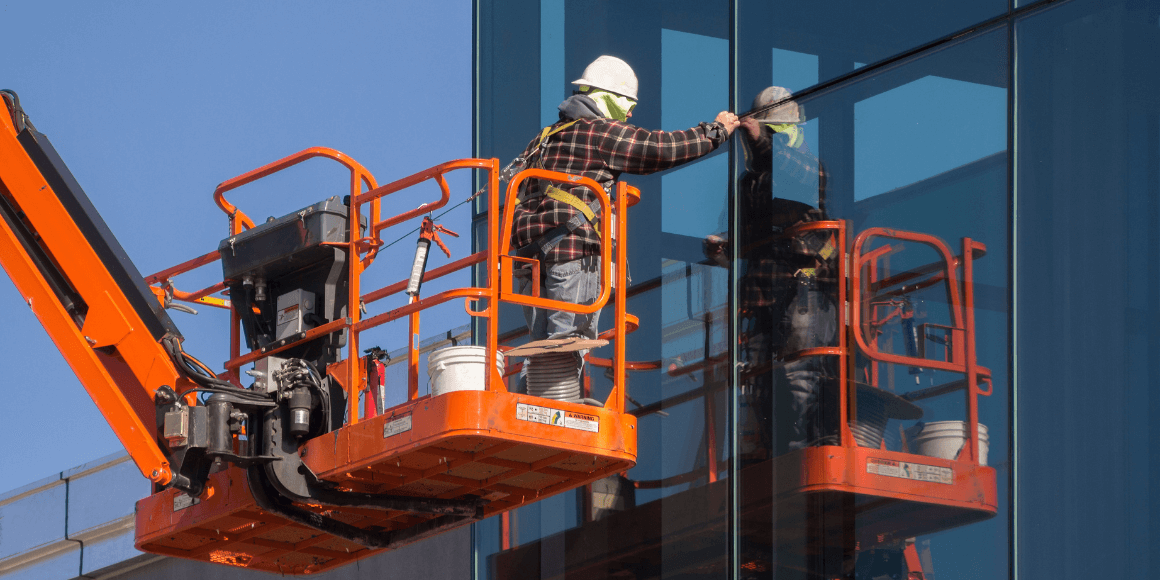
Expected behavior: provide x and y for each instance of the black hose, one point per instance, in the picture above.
(19, 118)
(201, 376)
(374, 540)
(268, 498)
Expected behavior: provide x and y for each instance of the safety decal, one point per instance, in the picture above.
(581, 421)
(183, 500)
(557, 417)
(907, 470)
(396, 426)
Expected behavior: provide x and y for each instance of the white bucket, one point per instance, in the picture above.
(459, 368)
(944, 439)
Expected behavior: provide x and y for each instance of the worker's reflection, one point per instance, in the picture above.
(785, 285)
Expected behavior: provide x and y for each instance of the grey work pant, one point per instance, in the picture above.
(575, 282)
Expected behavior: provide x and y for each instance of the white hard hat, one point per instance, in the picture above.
(788, 112)
(611, 74)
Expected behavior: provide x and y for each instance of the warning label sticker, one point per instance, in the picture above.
(907, 470)
(581, 421)
(396, 426)
(550, 416)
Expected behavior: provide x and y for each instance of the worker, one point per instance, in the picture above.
(558, 224)
(783, 303)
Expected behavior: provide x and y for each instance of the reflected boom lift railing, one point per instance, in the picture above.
(878, 503)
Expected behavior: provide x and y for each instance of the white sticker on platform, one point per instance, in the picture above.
(183, 500)
(536, 414)
(557, 417)
(581, 421)
(907, 470)
(396, 426)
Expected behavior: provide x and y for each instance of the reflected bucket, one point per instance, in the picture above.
(945, 439)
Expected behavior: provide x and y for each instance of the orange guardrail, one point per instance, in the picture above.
(495, 259)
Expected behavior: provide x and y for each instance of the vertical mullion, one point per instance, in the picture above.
(1013, 294)
(732, 418)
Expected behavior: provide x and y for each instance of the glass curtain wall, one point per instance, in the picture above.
(918, 144)
(669, 516)
(900, 130)
(812, 42)
(1088, 247)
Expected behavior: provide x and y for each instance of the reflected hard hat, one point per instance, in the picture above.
(788, 112)
(611, 74)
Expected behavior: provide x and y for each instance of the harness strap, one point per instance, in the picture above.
(540, 247)
(590, 213)
(548, 132)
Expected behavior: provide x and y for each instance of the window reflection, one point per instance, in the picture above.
(900, 136)
(668, 517)
(840, 33)
(794, 70)
(1088, 293)
(735, 323)
(694, 80)
(870, 299)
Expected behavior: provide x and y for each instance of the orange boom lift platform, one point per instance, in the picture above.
(286, 475)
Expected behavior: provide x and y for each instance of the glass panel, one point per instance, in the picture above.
(1088, 293)
(849, 363)
(900, 136)
(507, 82)
(667, 517)
(833, 36)
(694, 84)
(552, 79)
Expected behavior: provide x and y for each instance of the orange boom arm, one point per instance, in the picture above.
(88, 296)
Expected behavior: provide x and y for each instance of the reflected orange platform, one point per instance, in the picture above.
(895, 495)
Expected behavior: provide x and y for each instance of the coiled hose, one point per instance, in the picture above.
(555, 375)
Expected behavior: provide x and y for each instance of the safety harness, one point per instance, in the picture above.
(588, 212)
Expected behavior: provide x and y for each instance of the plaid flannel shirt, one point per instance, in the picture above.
(600, 149)
(770, 263)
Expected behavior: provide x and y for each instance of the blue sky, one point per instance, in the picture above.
(153, 104)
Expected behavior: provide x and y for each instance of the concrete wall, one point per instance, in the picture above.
(79, 524)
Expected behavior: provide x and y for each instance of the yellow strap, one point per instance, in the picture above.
(559, 194)
(828, 250)
(564, 197)
(548, 131)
